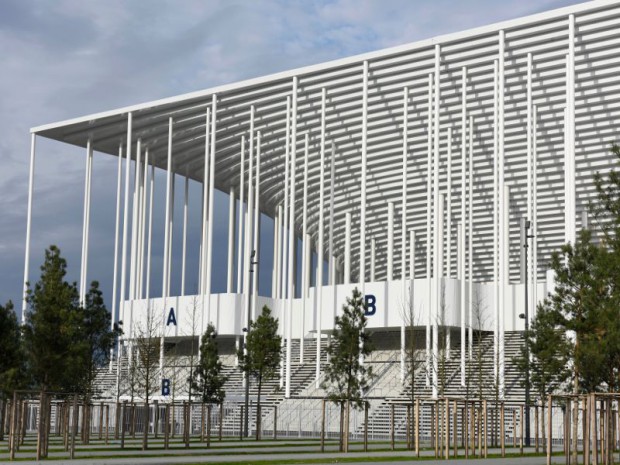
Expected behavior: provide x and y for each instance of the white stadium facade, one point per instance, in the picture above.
(409, 171)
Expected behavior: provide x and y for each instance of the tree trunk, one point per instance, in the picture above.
(260, 385)
(145, 436)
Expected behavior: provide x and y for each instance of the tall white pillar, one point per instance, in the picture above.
(390, 242)
(496, 196)
(461, 275)
(305, 259)
(86, 220)
(347, 249)
(502, 201)
(461, 247)
(205, 206)
(292, 238)
(125, 227)
(117, 217)
(429, 183)
(364, 156)
(285, 248)
(449, 206)
(167, 233)
(412, 243)
(135, 215)
(150, 233)
(320, 240)
(210, 213)
(256, 243)
(241, 229)
(470, 342)
(535, 207)
(184, 245)
(143, 190)
(331, 258)
(570, 219)
(373, 248)
(407, 302)
(33, 138)
(231, 239)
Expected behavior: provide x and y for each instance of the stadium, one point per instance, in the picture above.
(436, 177)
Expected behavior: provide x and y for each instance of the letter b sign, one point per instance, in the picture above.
(371, 305)
(165, 387)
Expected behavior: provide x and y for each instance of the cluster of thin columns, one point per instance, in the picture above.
(439, 210)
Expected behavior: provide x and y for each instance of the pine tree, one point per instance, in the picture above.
(12, 368)
(208, 380)
(52, 329)
(262, 356)
(346, 377)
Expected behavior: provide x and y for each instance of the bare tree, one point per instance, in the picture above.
(194, 347)
(476, 381)
(147, 344)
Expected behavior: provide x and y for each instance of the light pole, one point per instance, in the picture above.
(245, 346)
(526, 317)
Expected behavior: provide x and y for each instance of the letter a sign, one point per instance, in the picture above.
(172, 319)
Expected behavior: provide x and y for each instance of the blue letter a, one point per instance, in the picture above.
(171, 318)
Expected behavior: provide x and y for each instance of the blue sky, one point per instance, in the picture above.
(68, 58)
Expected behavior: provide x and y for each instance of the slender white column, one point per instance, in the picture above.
(249, 217)
(390, 242)
(462, 223)
(184, 249)
(429, 182)
(143, 223)
(209, 255)
(496, 188)
(320, 240)
(279, 255)
(373, 248)
(502, 232)
(505, 227)
(33, 138)
(534, 209)
(330, 246)
(150, 234)
(412, 239)
(205, 204)
(119, 176)
(364, 156)
(347, 249)
(256, 243)
(276, 237)
(305, 259)
(135, 214)
(232, 203)
(403, 213)
(438, 315)
(461, 275)
(449, 207)
(470, 342)
(240, 232)
(170, 241)
(125, 227)
(292, 239)
(531, 274)
(86, 219)
(569, 151)
(286, 194)
(403, 240)
(167, 233)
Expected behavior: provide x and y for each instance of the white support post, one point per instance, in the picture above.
(241, 229)
(496, 195)
(331, 264)
(184, 247)
(143, 223)
(256, 243)
(305, 259)
(249, 220)
(502, 231)
(135, 214)
(128, 330)
(209, 254)
(390, 242)
(279, 252)
(570, 220)
(364, 157)
(86, 220)
(119, 175)
(167, 234)
(285, 248)
(449, 207)
(504, 283)
(429, 183)
(407, 303)
(461, 246)
(205, 205)
(320, 240)
(347, 249)
(292, 239)
(33, 138)
(150, 234)
(276, 238)
(373, 257)
(435, 304)
(231, 239)
(535, 209)
(531, 273)
(470, 342)
(412, 239)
